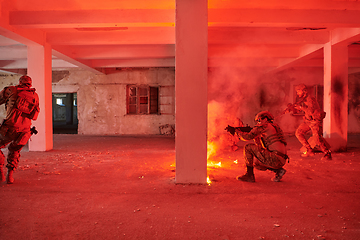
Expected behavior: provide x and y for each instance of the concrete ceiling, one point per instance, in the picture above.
(99, 35)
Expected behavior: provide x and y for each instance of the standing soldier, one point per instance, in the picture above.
(269, 150)
(22, 106)
(313, 120)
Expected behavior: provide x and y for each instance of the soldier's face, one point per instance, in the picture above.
(300, 93)
(261, 121)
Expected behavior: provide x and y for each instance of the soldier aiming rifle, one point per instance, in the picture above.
(313, 120)
(269, 150)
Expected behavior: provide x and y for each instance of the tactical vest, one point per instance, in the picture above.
(277, 137)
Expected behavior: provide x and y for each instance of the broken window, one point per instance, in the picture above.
(142, 99)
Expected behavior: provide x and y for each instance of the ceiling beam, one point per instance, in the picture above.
(236, 35)
(345, 36)
(253, 50)
(24, 36)
(80, 63)
(285, 17)
(91, 18)
(309, 52)
(156, 35)
(166, 17)
(151, 62)
(118, 51)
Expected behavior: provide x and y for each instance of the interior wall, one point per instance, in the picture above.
(7, 80)
(233, 95)
(102, 100)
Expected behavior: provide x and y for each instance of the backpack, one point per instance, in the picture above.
(27, 103)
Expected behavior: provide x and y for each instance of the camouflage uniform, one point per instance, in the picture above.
(22, 106)
(264, 158)
(313, 120)
(269, 150)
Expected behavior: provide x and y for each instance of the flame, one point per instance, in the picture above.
(211, 149)
(213, 164)
(208, 180)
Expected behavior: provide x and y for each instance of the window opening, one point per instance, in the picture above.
(142, 99)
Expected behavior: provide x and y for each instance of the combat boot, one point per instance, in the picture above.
(10, 178)
(279, 173)
(2, 175)
(327, 156)
(248, 176)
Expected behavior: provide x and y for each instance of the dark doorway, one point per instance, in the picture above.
(65, 119)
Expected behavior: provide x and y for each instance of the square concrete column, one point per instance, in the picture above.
(40, 70)
(191, 70)
(336, 95)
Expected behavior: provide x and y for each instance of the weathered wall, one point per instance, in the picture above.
(7, 80)
(232, 94)
(102, 100)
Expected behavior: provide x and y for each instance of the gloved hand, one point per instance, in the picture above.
(230, 129)
(289, 108)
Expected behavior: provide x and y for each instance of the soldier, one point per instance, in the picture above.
(313, 120)
(22, 106)
(269, 150)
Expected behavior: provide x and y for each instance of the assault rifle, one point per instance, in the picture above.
(231, 129)
(293, 107)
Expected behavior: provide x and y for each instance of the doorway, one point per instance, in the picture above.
(65, 119)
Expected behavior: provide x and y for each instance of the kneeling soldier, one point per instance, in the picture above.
(269, 150)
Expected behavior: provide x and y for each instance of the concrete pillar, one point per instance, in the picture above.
(40, 70)
(336, 95)
(191, 91)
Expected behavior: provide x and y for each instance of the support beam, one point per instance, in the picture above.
(39, 69)
(336, 95)
(119, 51)
(76, 62)
(191, 91)
(153, 35)
(85, 18)
(265, 35)
(151, 62)
(311, 18)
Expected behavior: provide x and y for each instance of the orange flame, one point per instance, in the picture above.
(211, 149)
(208, 180)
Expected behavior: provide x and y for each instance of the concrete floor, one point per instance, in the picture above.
(112, 187)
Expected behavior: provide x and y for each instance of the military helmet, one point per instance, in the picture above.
(301, 87)
(264, 114)
(25, 80)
